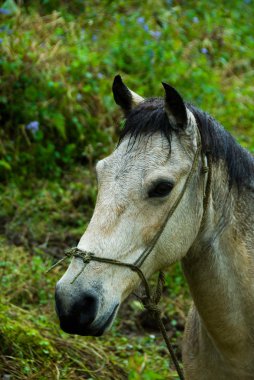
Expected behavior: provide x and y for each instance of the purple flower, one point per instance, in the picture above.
(146, 27)
(1, 40)
(94, 37)
(33, 126)
(79, 97)
(155, 33)
(204, 50)
(100, 75)
(195, 20)
(140, 20)
(4, 11)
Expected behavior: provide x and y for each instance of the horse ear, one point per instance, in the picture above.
(123, 96)
(174, 106)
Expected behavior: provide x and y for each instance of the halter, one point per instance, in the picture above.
(151, 300)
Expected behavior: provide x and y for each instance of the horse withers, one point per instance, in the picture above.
(211, 231)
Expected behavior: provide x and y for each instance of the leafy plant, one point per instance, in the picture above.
(56, 74)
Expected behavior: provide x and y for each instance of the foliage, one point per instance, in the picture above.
(49, 215)
(57, 67)
(57, 115)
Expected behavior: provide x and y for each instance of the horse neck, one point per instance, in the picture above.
(219, 266)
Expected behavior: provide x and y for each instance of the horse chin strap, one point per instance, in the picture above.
(150, 299)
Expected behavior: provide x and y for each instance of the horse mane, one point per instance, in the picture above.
(150, 117)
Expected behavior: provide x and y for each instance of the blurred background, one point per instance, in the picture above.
(57, 118)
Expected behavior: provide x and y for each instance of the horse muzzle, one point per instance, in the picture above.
(80, 315)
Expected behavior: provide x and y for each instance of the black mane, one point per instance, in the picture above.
(150, 117)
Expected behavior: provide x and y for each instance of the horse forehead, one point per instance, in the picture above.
(137, 157)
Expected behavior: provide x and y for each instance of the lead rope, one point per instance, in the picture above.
(150, 301)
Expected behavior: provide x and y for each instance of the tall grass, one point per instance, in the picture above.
(57, 68)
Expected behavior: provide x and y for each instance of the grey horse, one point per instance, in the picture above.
(211, 231)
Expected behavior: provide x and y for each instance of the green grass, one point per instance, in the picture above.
(57, 69)
(57, 63)
(48, 215)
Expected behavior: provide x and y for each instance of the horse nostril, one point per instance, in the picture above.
(87, 309)
(76, 315)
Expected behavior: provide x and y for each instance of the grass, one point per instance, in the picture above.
(54, 217)
(57, 63)
(58, 73)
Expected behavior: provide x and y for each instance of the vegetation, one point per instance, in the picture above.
(57, 115)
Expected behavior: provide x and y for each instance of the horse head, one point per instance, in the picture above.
(137, 185)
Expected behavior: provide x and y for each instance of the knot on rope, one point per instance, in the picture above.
(205, 169)
(75, 252)
(84, 255)
(151, 302)
(151, 306)
(70, 252)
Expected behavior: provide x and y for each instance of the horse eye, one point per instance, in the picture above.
(161, 189)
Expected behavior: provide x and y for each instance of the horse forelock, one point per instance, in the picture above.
(147, 118)
(150, 117)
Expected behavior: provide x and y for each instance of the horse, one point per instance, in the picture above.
(211, 231)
